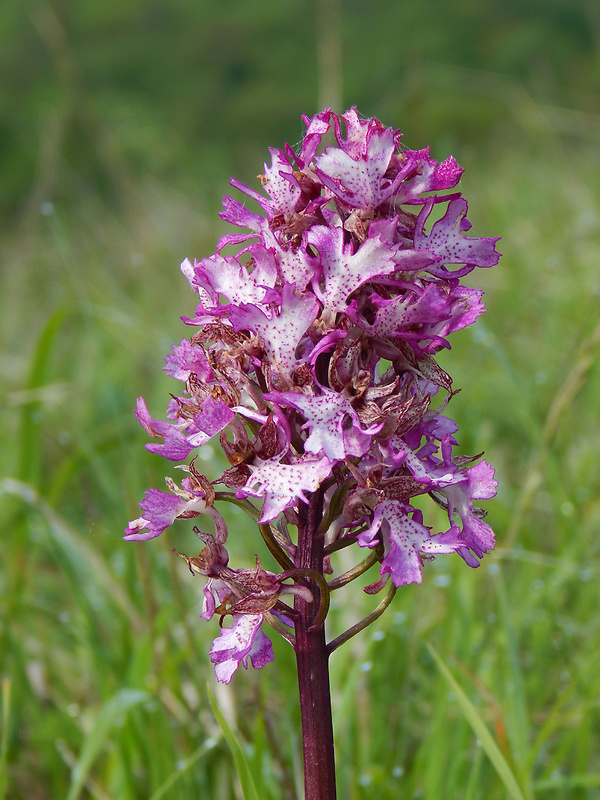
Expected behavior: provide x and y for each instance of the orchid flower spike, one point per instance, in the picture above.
(312, 359)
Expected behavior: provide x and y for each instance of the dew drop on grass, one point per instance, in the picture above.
(567, 509)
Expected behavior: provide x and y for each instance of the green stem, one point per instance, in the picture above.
(245, 505)
(281, 629)
(364, 623)
(276, 551)
(353, 573)
(345, 541)
(266, 530)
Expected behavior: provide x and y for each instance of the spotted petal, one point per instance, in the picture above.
(242, 641)
(405, 539)
(280, 184)
(342, 270)
(281, 333)
(427, 175)
(325, 419)
(226, 276)
(447, 237)
(282, 484)
(175, 446)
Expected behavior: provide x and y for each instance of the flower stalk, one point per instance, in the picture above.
(313, 668)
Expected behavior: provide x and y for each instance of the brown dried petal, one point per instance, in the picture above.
(197, 389)
(369, 413)
(429, 367)
(238, 451)
(266, 444)
(185, 408)
(302, 375)
(217, 331)
(251, 604)
(235, 477)
(460, 461)
(201, 482)
(360, 383)
(355, 225)
(360, 504)
(344, 364)
(402, 488)
(278, 221)
(211, 561)
(414, 411)
(382, 390)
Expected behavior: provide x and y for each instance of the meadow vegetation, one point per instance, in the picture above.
(102, 656)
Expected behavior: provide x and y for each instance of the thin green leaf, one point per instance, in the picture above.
(480, 730)
(29, 437)
(182, 768)
(243, 767)
(87, 559)
(116, 707)
(516, 702)
(588, 781)
(6, 695)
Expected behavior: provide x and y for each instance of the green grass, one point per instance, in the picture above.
(103, 658)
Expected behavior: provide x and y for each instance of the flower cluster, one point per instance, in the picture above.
(313, 362)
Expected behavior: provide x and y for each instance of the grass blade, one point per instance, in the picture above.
(243, 767)
(6, 693)
(480, 730)
(75, 548)
(29, 464)
(183, 767)
(116, 707)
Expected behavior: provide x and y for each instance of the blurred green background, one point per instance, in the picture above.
(120, 125)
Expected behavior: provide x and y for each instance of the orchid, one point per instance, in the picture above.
(313, 360)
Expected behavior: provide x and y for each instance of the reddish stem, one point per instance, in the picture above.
(313, 668)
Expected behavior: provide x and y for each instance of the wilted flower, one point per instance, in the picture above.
(313, 361)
